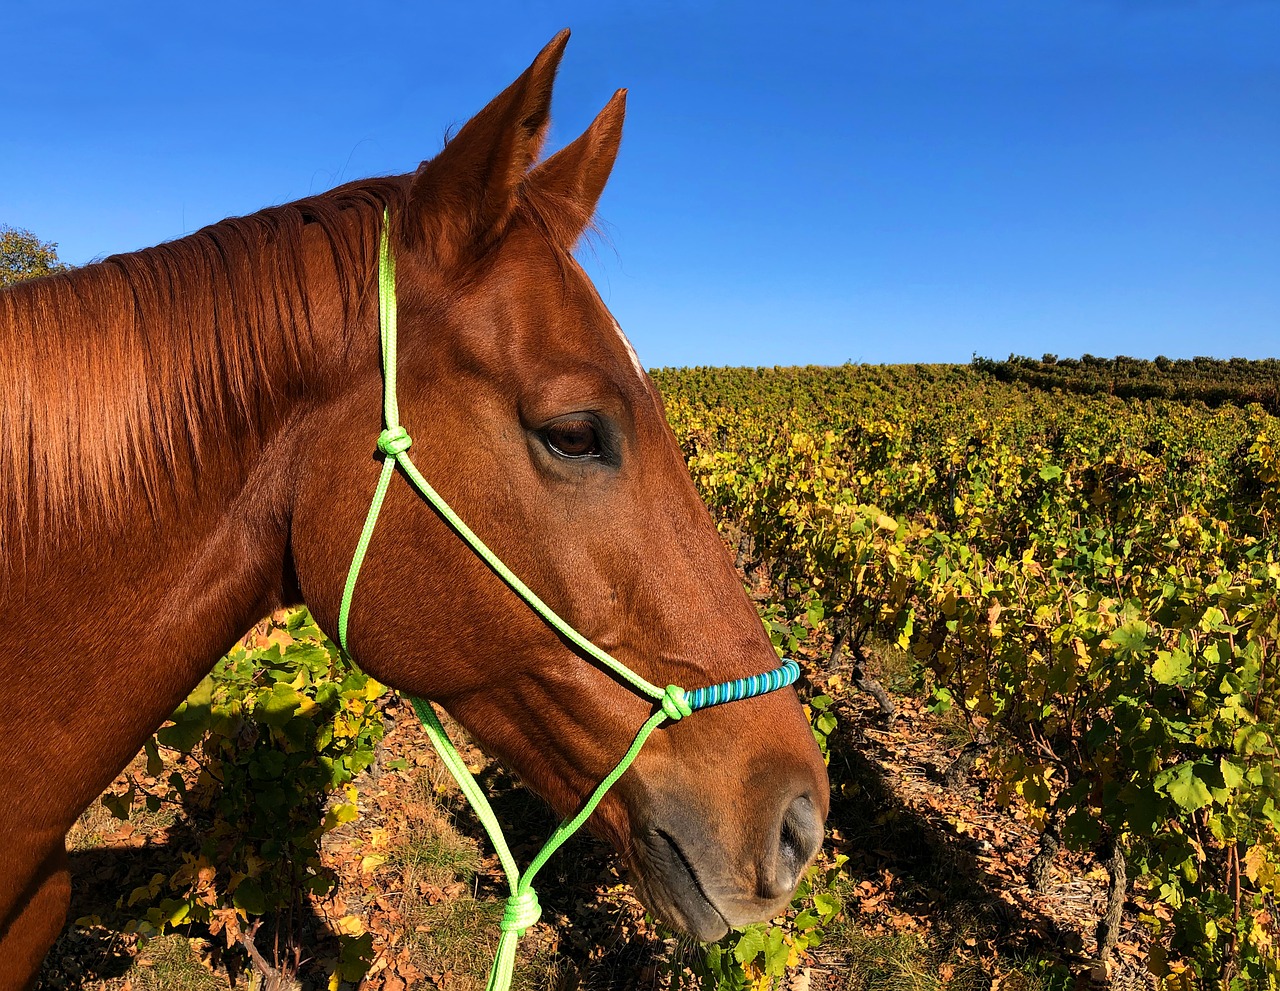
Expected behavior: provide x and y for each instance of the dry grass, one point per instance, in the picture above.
(169, 963)
(450, 926)
(97, 959)
(96, 825)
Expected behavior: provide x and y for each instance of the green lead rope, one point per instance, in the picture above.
(673, 703)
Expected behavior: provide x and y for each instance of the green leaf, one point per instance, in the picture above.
(299, 731)
(300, 624)
(805, 920)
(814, 613)
(356, 957)
(1251, 740)
(1171, 667)
(1131, 638)
(278, 706)
(1049, 472)
(337, 815)
(249, 897)
(1212, 619)
(1142, 807)
(175, 911)
(751, 945)
(308, 655)
(1232, 774)
(191, 719)
(266, 765)
(1182, 785)
(828, 905)
(776, 952)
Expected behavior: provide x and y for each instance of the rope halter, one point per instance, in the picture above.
(672, 703)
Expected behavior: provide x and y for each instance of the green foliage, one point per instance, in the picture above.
(25, 256)
(1209, 380)
(278, 731)
(1095, 580)
(823, 722)
(754, 957)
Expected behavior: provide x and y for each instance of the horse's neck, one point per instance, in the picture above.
(145, 486)
(144, 389)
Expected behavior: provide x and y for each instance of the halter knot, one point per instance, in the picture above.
(674, 703)
(394, 441)
(521, 912)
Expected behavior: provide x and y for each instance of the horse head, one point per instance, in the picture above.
(532, 416)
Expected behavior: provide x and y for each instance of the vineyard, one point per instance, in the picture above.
(1083, 586)
(1092, 582)
(1208, 380)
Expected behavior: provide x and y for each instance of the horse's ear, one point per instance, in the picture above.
(569, 183)
(469, 191)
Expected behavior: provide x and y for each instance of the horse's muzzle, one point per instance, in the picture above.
(702, 873)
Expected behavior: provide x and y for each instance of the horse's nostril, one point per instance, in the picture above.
(790, 845)
(798, 841)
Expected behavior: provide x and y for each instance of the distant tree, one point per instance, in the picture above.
(25, 256)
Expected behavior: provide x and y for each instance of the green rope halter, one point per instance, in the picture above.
(673, 703)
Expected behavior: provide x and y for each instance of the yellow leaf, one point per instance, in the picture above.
(350, 925)
(372, 863)
(1255, 861)
(337, 815)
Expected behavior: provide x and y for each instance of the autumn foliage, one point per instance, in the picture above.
(25, 256)
(1094, 583)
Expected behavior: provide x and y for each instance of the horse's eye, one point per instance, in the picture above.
(574, 439)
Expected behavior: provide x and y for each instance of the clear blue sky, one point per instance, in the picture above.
(870, 181)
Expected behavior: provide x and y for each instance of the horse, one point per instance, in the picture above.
(186, 444)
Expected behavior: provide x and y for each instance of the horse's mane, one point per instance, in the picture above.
(110, 374)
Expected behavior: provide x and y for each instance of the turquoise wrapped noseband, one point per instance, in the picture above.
(673, 702)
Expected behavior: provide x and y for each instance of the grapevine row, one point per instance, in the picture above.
(1092, 581)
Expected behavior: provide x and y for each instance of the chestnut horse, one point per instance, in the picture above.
(186, 443)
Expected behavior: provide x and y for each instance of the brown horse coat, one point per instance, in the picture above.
(186, 442)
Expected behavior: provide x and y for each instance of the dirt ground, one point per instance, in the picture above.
(934, 889)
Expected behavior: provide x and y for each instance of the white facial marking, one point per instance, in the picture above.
(631, 352)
